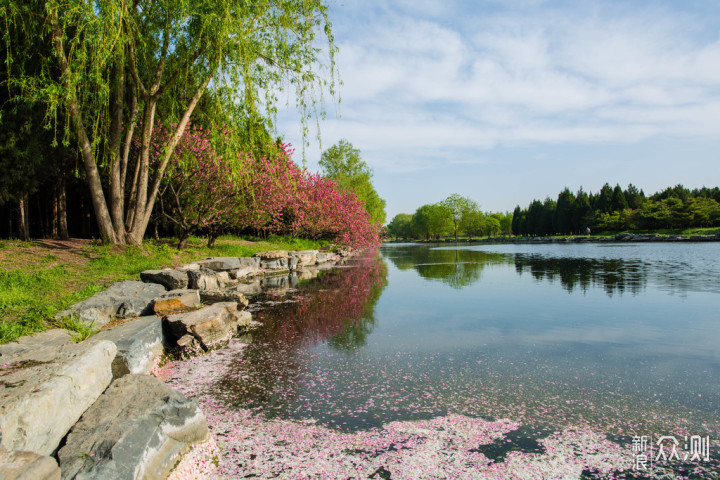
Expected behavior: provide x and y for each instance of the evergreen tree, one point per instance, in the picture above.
(618, 199)
(634, 197)
(604, 200)
(581, 211)
(564, 212)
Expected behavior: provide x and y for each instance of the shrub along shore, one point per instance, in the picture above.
(91, 407)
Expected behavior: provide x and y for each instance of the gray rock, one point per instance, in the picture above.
(220, 264)
(188, 342)
(135, 430)
(176, 301)
(16, 465)
(209, 325)
(217, 296)
(272, 254)
(245, 271)
(189, 267)
(139, 342)
(123, 299)
(280, 263)
(40, 400)
(41, 347)
(203, 279)
(306, 257)
(293, 263)
(169, 278)
(249, 261)
(322, 257)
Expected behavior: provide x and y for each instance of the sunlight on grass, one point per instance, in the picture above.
(32, 293)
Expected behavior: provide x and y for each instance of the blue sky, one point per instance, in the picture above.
(507, 101)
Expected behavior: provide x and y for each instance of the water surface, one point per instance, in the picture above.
(611, 334)
(621, 338)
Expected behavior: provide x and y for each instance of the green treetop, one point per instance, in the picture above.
(342, 163)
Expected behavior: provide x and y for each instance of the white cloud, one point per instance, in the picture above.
(420, 81)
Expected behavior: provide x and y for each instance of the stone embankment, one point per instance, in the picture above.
(91, 410)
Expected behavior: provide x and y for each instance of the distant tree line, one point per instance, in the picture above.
(614, 209)
(456, 215)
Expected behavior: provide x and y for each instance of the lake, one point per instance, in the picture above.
(589, 346)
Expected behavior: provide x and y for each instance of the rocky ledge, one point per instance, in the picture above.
(91, 410)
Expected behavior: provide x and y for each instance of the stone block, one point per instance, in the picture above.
(322, 257)
(123, 299)
(220, 264)
(203, 279)
(169, 278)
(41, 400)
(176, 301)
(17, 465)
(216, 296)
(139, 342)
(135, 430)
(280, 263)
(306, 257)
(209, 325)
(245, 271)
(272, 254)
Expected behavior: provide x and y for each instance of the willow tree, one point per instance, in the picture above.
(115, 62)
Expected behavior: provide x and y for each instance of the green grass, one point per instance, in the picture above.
(33, 288)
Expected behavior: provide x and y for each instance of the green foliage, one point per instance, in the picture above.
(459, 207)
(342, 163)
(432, 221)
(614, 209)
(401, 226)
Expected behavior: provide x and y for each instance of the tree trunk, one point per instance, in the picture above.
(117, 193)
(146, 200)
(183, 240)
(139, 223)
(62, 211)
(23, 221)
(54, 220)
(212, 237)
(104, 221)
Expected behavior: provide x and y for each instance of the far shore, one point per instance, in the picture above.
(618, 238)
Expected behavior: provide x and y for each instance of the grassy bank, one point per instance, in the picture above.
(40, 278)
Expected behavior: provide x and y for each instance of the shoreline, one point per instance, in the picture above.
(618, 238)
(118, 416)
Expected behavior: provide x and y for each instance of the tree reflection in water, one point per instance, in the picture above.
(336, 308)
(462, 267)
(612, 274)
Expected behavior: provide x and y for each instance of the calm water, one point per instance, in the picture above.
(625, 338)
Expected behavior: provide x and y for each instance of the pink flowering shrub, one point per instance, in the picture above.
(202, 191)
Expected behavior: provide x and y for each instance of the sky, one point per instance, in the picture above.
(507, 101)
